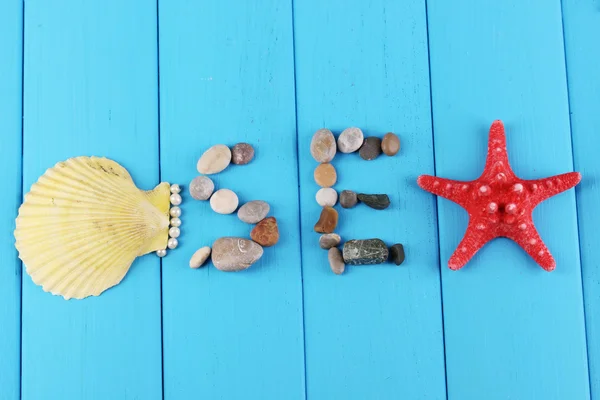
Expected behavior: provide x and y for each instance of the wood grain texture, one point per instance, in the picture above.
(374, 332)
(11, 58)
(91, 89)
(582, 29)
(227, 76)
(512, 329)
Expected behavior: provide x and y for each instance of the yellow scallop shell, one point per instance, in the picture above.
(83, 224)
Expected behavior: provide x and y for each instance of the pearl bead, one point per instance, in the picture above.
(172, 243)
(175, 188)
(175, 199)
(176, 222)
(161, 253)
(175, 212)
(174, 232)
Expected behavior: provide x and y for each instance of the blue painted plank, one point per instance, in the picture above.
(582, 29)
(375, 331)
(227, 76)
(512, 329)
(11, 61)
(91, 89)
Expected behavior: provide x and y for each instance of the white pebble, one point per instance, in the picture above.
(214, 160)
(326, 197)
(174, 232)
(200, 257)
(224, 201)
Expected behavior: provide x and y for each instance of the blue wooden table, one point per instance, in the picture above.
(152, 85)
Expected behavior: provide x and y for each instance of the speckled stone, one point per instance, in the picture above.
(371, 148)
(201, 188)
(376, 201)
(322, 146)
(214, 160)
(390, 145)
(365, 252)
(326, 197)
(242, 153)
(200, 257)
(266, 232)
(224, 201)
(253, 211)
(329, 240)
(327, 221)
(348, 199)
(235, 254)
(336, 261)
(397, 254)
(350, 140)
(325, 175)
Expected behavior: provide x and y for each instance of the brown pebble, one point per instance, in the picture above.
(242, 153)
(266, 232)
(327, 221)
(390, 145)
(336, 261)
(371, 148)
(325, 175)
(348, 199)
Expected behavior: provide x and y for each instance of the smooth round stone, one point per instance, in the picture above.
(329, 240)
(253, 211)
(327, 220)
(350, 140)
(326, 197)
(214, 160)
(201, 188)
(336, 261)
(365, 252)
(235, 254)
(371, 148)
(266, 232)
(348, 199)
(224, 201)
(390, 145)
(397, 254)
(325, 175)
(376, 201)
(322, 146)
(242, 154)
(200, 257)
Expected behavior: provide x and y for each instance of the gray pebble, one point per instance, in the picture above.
(322, 146)
(242, 153)
(201, 188)
(371, 148)
(329, 240)
(336, 261)
(365, 252)
(376, 201)
(397, 254)
(348, 199)
(350, 140)
(253, 211)
(235, 254)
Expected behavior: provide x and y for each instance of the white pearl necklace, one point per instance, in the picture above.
(175, 213)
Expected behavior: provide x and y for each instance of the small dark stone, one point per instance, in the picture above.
(376, 201)
(397, 254)
(348, 199)
(242, 153)
(365, 252)
(371, 148)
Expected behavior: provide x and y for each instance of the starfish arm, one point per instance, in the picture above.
(543, 189)
(532, 243)
(497, 166)
(470, 244)
(446, 188)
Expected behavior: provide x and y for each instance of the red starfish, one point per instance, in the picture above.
(499, 203)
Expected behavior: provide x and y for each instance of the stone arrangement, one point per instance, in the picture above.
(232, 253)
(323, 148)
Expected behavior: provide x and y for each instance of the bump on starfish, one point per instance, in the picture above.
(499, 203)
